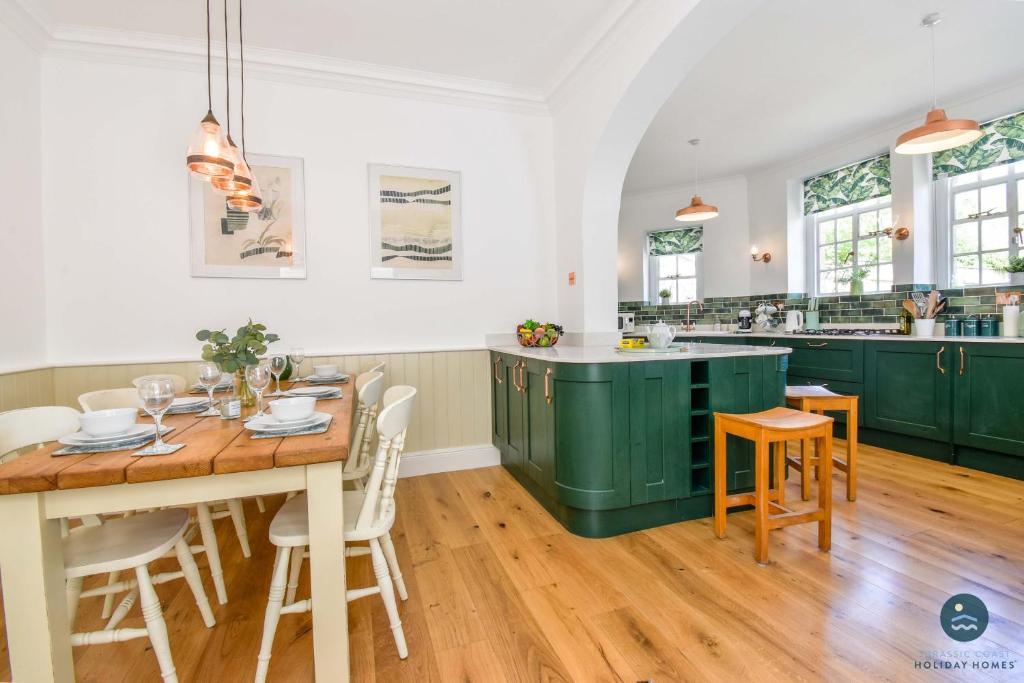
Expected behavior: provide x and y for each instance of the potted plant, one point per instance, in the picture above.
(856, 279)
(666, 296)
(1015, 268)
(235, 354)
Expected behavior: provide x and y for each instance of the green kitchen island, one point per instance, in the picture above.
(611, 441)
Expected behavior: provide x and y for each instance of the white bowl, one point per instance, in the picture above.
(107, 422)
(325, 370)
(292, 409)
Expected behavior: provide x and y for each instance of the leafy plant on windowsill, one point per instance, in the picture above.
(1015, 265)
(666, 295)
(855, 278)
(235, 354)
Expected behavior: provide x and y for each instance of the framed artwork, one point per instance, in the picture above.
(269, 243)
(415, 223)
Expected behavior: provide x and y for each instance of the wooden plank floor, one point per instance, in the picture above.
(499, 591)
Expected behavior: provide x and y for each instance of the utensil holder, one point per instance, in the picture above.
(812, 321)
(924, 327)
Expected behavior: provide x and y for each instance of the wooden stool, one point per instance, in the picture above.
(815, 399)
(777, 426)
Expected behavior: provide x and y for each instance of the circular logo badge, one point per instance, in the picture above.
(964, 617)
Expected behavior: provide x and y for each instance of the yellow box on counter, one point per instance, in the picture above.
(632, 343)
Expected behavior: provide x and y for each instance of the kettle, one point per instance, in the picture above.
(661, 335)
(794, 321)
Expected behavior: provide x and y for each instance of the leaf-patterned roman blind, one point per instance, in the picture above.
(848, 185)
(678, 241)
(1001, 142)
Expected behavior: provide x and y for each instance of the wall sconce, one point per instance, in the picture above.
(757, 256)
(1018, 237)
(896, 233)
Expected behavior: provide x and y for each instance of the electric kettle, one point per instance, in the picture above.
(794, 321)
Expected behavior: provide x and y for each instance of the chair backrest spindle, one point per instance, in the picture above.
(391, 427)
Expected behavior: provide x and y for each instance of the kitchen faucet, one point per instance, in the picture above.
(689, 327)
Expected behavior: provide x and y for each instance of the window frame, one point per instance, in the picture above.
(813, 244)
(945, 195)
(654, 276)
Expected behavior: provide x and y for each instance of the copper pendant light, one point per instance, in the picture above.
(938, 132)
(697, 210)
(248, 199)
(208, 154)
(239, 180)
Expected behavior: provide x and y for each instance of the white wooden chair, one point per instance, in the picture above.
(369, 516)
(177, 380)
(372, 366)
(25, 427)
(132, 543)
(369, 387)
(205, 515)
(105, 399)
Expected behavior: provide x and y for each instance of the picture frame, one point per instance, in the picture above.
(266, 244)
(415, 219)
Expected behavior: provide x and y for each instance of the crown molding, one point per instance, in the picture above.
(170, 52)
(583, 49)
(28, 21)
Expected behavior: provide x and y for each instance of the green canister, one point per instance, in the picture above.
(988, 327)
(954, 327)
(970, 327)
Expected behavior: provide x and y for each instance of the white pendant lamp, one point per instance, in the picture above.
(697, 210)
(208, 154)
(938, 132)
(248, 199)
(239, 180)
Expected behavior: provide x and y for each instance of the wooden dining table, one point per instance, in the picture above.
(220, 460)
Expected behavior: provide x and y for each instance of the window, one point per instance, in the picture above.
(985, 207)
(849, 241)
(674, 263)
(846, 211)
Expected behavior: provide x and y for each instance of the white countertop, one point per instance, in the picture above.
(605, 354)
(841, 337)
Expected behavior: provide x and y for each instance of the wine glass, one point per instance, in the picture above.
(277, 365)
(209, 378)
(297, 355)
(258, 377)
(156, 395)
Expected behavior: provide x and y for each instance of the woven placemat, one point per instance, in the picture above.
(112, 447)
(301, 431)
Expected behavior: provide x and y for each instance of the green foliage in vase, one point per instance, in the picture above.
(234, 354)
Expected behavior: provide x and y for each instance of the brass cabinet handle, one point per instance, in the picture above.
(816, 346)
(515, 382)
(497, 377)
(522, 377)
(961, 361)
(938, 360)
(547, 386)
(773, 342)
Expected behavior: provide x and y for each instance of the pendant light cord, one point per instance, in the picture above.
(227, 69)
(935, 97)
(241, 65)
(209, 68)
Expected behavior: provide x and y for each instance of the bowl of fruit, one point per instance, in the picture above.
(533, 333)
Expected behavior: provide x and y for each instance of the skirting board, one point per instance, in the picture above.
(449, 460)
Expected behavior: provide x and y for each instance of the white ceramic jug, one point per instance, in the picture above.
(794, 321)
(661, 335)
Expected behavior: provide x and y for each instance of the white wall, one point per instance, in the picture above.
(22, 295)
(117, 220)
(726, 238)
(774, 227)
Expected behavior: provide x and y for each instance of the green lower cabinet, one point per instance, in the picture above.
(987, 394)
(539, 413)
(514, 454)
(499, 403)
(908, 388)
(828, 359)
(591, 434)
(659, 449)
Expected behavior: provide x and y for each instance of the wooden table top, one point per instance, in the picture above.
(212, 446)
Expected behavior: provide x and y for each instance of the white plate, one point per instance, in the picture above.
(311, 391)
(332, 378)
(269, 424)
(188, 401)
(82, 439)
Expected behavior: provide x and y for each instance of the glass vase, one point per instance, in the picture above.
(244, 392)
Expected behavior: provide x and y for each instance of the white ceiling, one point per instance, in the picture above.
(800, 75)
(525, 43)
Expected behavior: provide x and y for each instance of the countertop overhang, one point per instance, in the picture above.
(854, 337)
(604, 354)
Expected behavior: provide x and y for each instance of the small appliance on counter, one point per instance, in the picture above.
(627, 322)
(745, 321)
(794, 321)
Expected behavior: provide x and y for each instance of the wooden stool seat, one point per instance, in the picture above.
(817, 399)
(777, 426)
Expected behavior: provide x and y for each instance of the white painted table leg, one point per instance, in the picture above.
(35, 607)
(327, 571)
